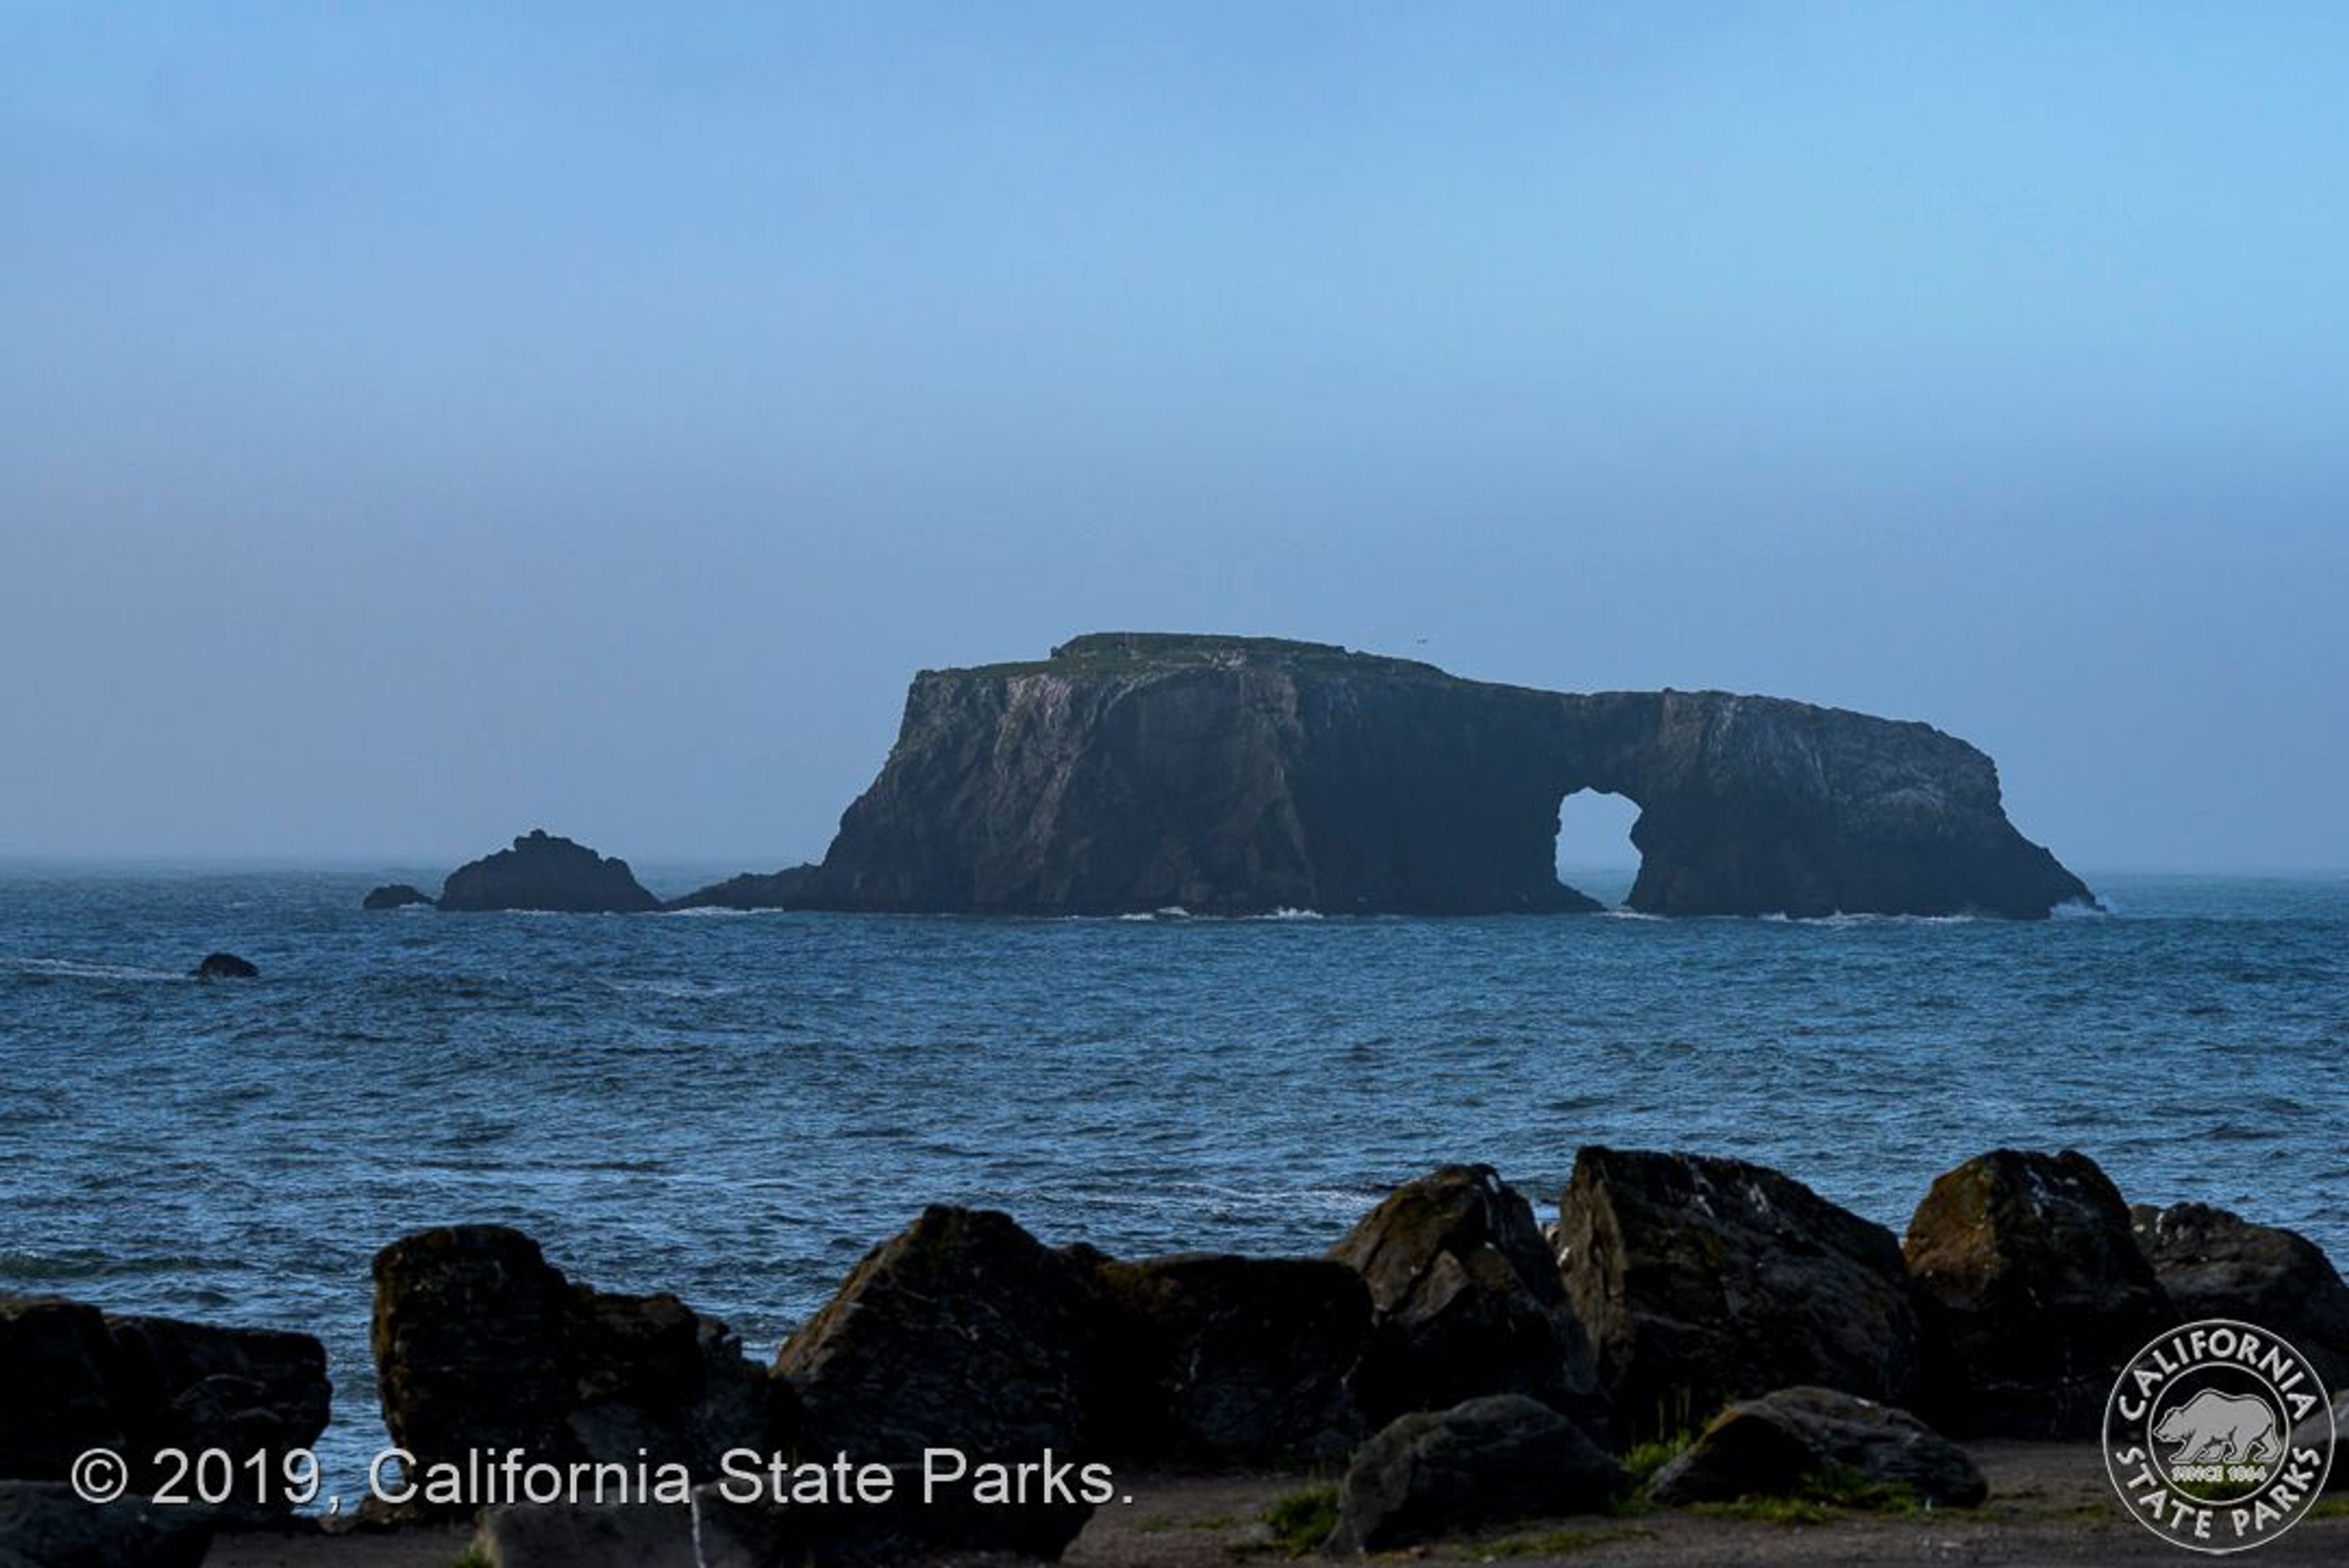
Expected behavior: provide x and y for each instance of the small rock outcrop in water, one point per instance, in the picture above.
(394, 896)
(480, 1343)
(224, 967)
(2033, 1294)
(545, 872)
(1703, 1279)
(2214, 1263)
(1468, 1302)
(776, 890)
(1484, 1462)
(1771, 1446)
(1239, 775)
(73, 1377)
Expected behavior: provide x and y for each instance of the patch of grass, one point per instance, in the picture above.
(1301, 1520)
(2331, 1508)
(1767, 1510)
(1838, 1486)
(472, 1557)
(1644, 1459)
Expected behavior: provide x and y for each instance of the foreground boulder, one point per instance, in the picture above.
(480, 1343)
(224, 967)
(1485, 1463)
(1469, 1301)
(545, 873)
(57, 1387)
(1778, 1444)
(2214, 1263)
(1214, 1360)
(2033, 1294)
(964, 1332)
(44, 1525)
(73, 1378)
(191, 1387)
(1703, 1280)
(394, 896)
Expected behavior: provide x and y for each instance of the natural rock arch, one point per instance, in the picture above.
(1226, 775)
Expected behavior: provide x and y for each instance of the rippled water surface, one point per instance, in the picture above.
(735, 1107)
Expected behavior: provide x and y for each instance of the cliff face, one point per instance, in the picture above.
(1224, 775)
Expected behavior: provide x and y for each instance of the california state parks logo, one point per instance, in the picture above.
(2219, 1436)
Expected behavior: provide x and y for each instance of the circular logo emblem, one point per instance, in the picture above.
(2219, 1436)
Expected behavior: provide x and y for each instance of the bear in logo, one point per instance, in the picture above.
(2222, 1428)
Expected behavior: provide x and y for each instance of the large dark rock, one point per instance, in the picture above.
(1703, 1280)
(394, 896)
(1485, 1463)
(1774, 1446)
(44, 1525)
(545, 872)
(74, 1379)
(224, 967)
(1469, 1301)
(964, 1332)
(2213, 1263)
(1210, 1360)
(1237, 775)
(480, 1343)
(57, 1383)
(192, 1386)
(2032, 1292)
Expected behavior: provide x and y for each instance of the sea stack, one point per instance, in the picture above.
(543, 871)
(1135, 771)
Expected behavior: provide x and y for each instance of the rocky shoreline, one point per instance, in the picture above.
(1687, 1332)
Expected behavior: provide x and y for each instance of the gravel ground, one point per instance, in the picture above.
(2049, 1504)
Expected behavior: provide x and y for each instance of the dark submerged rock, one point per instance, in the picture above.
(545, 873)
(2214, 1263)
(963, 1331)
(224, 967)
(1210, 1360)
(480, 1343)
(394, 896)
(44, 1525)
(1703, 1280)
(2033, 1294)
(1484, 1462)
(1772, 1446)
(1467, 1301)
(1131, 771)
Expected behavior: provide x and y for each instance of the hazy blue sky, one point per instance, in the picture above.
(420, 422)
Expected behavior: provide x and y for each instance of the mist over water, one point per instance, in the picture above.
(736, 1107)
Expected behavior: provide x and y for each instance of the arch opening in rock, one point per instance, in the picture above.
(1592, 850)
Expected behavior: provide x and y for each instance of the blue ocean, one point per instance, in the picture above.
(734, 1107)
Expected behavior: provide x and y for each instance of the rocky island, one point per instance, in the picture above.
(542, 872)
(1138, 771)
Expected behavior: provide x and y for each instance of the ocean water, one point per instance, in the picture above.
(736, 1107)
